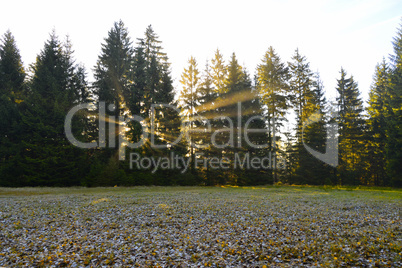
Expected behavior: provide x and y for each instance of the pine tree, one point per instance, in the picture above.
(301, 82)
(56, 86)
(235, 85)
(152, 46)
(135, 99)
(377, 126)
(394, 114)
(314, 136)
(156, 65)
(206, 111)
(11, 69)
(272, 86)
(238, 100)
(257, 142)
(351, 126)
(12, 76)
(169, 118)
(158, 90)
(153, 97)
(114, 65)
(302, 99)
(113, 89)
(219, 72)
(307, 98)
(188, 100)
(112, 76)
(139, 82)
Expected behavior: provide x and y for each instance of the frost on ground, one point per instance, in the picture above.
(197, 227)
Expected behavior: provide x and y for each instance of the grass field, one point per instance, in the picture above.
(284, 226)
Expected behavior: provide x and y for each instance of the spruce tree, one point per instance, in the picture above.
(257, 142)
(377, 126)
(158, 90)
(112, 76)
(12, 77)
(219, 72)
(113, 89)
(11, 69)
(394, 114)
(206, 111)
(302, 99)
(156, 67)
(188, 100)
(314, 136)
(153, 88)
(272, 86)
(307, 99)
(57, 85)
(225, 121)
(135, 98)
(239, 105)
(351, 126)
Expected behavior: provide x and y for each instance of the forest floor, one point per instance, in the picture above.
(273, 226)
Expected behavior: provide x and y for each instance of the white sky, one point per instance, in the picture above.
(332, 33)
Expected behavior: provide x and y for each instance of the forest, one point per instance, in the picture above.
(214, 109)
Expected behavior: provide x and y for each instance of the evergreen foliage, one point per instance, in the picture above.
(56, 86)
(351, 127)
(394, 114)
(226, 115)
(12, 89)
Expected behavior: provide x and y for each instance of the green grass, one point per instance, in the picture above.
(386, 191)
(276, 226)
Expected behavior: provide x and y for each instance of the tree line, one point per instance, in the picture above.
(221, 111)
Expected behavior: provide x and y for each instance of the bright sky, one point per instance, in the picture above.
(330, 33)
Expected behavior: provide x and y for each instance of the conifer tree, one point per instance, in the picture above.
(256, 144)
(153, 95)
(394, 114)
(235, 87)
(12, 77)
(302, 99)
(239, 106)
(169, 118)
(112, 77)
(272, 86)
(301, 82)
(377, 125)
(206, 111)
(155, 65)
(113, 90)
(152, 46)
(314, 136)
(11, 69)
(188, 100)
(56, 86)
(158, 90)
(219, 72)
(351, 125)
(135, 100)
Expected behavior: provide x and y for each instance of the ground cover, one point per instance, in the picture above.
(275, 226)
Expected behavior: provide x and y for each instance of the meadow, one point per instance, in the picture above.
(270, 226)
